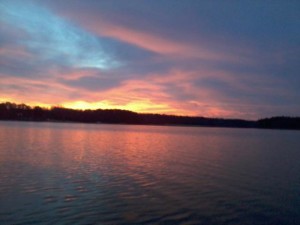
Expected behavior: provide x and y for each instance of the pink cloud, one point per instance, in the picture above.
(14, 51)
(156, 42)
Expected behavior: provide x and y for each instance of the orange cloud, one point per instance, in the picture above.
(147, 95)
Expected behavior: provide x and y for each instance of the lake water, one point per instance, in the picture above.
(60, 173)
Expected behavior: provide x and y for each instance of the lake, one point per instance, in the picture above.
(64, 173)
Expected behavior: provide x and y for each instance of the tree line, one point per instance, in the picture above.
(22, 112)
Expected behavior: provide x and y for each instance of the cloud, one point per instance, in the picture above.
(53, 39)
(92, 83)
(195, 58)
(154, 42)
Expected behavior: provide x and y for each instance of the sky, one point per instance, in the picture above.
(225, 59)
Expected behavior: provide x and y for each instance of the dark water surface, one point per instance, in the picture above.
(55, 173)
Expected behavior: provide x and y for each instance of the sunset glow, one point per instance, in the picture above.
(198, 58)
(142, 107)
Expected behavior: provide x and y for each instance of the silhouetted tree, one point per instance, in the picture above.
(12, 111)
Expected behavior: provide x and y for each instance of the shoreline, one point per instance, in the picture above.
(145, 124)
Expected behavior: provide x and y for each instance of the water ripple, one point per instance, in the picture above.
(147, 175)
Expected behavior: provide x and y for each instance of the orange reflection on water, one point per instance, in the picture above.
(109, 149)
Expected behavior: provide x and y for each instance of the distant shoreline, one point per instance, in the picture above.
(21, 112)
(135, 124)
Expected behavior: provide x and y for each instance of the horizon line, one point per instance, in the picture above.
(143, 113)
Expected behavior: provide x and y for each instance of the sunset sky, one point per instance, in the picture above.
(186, 57)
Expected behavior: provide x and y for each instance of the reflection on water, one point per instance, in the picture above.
(54, 173)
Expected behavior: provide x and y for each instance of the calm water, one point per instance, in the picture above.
(53, 173)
